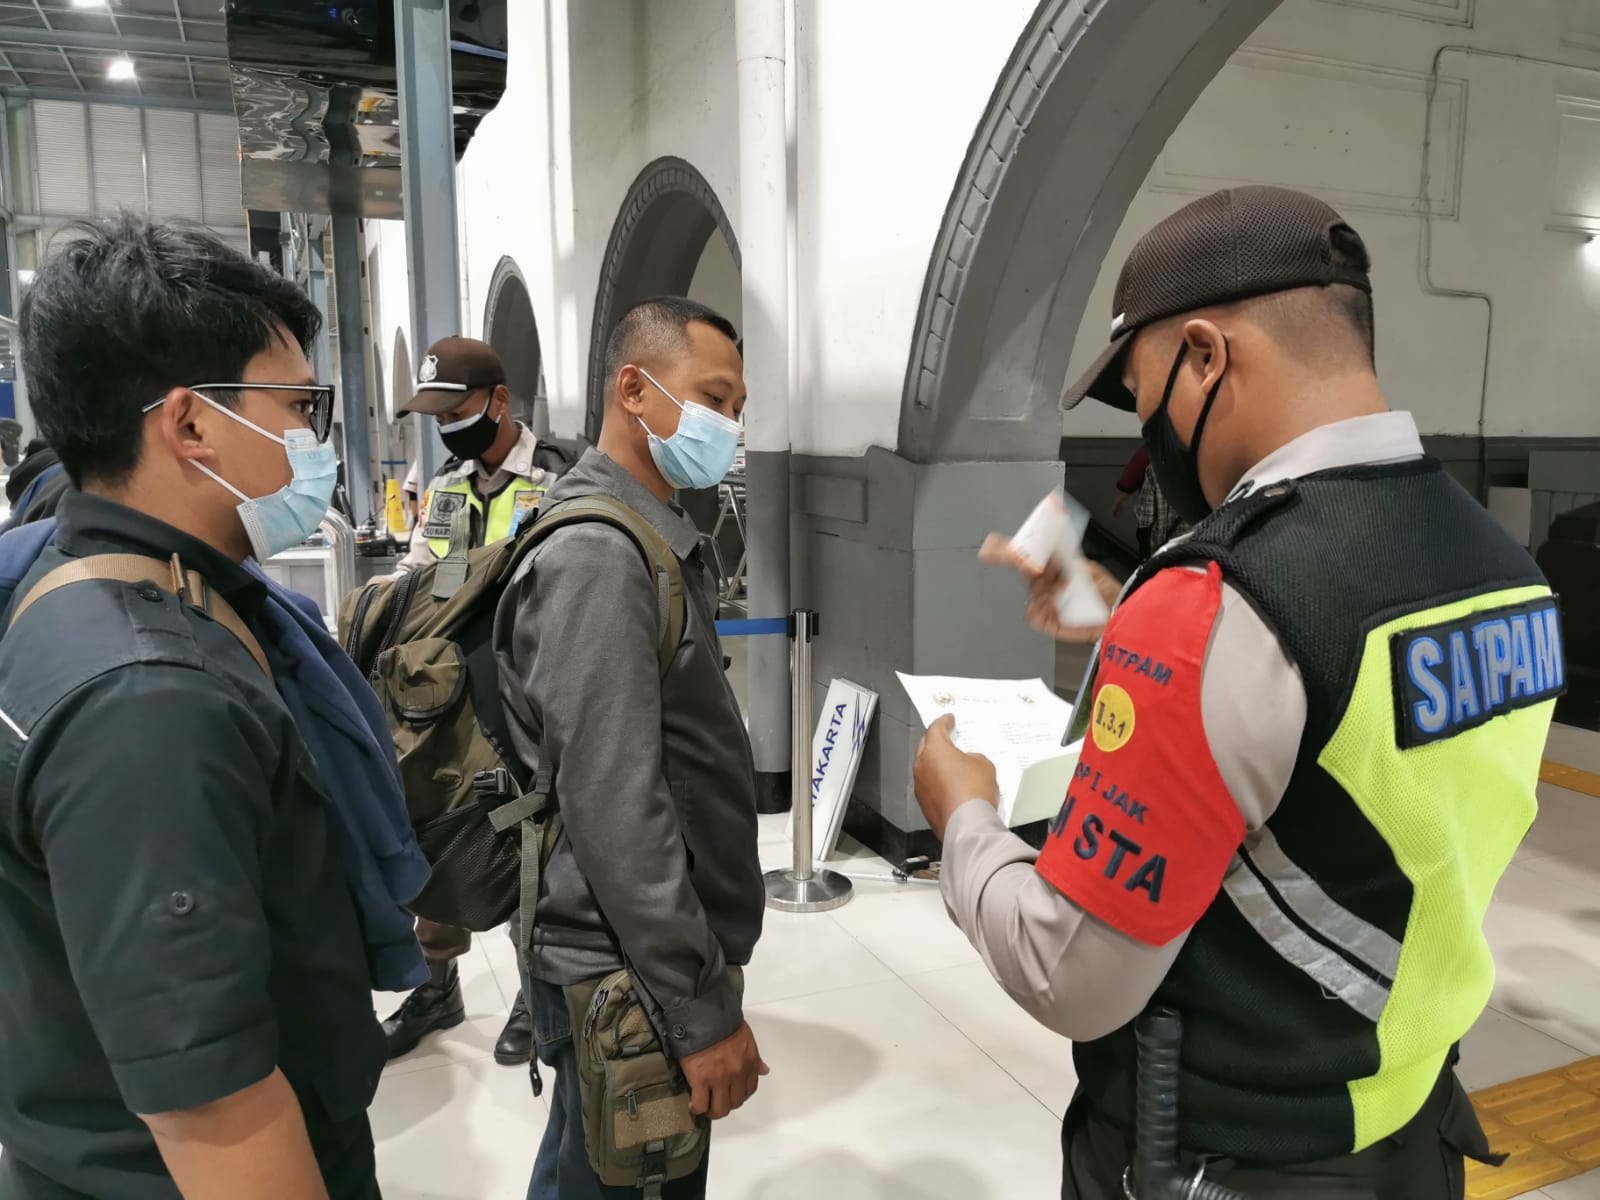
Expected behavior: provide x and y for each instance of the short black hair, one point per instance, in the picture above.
(1323, 324)
(130, 309)
(659, 327)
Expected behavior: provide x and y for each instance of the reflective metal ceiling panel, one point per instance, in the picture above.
(315, 90)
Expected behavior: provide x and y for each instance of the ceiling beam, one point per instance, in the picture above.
(111, 43)
(19, 95)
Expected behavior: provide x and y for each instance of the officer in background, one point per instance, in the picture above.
(497, 467)
(1314, 732)
(495, 472)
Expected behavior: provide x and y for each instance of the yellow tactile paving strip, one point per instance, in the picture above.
(1549, 1124)
(1570, 778)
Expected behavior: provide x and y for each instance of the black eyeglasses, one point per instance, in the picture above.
(320, 396)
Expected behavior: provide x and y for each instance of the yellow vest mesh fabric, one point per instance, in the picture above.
(502, 511)
(1453, 812)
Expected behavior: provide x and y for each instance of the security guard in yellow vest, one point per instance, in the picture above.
(492, 468)
(1310, 740)
(493, 472)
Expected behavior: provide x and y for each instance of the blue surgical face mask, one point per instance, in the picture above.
(294, 512)
(701, 453)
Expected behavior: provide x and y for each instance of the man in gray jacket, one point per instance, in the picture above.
(656, 864)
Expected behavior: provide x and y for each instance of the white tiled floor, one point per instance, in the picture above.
(900, 1070)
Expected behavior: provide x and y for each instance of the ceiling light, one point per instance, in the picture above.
(91, 3)
(120, 68)
(24, 276)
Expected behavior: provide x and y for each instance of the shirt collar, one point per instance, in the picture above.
(669, 521)
(520, 461)
(1359, 441)
(87, 524)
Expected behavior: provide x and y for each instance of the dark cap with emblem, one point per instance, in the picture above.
(1225, 247)
(453, 367)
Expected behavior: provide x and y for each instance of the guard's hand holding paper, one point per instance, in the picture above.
(1069, 597)
(947, 777)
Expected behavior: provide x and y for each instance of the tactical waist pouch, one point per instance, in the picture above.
(637, 1126)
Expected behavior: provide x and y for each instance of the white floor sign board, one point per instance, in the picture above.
(835, 759)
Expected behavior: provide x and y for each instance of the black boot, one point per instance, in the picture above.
(435, 1005)
(515, 1046)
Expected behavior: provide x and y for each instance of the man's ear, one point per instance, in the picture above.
(630, 389)
(500, 401)
(186, 425)
(1208, 352)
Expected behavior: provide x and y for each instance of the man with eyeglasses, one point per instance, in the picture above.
(498, 472)
(187, 1005)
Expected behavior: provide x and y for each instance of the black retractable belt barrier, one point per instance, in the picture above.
(1155, 1173)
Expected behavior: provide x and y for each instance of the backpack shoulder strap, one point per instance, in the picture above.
(671, 608)
(189, 586)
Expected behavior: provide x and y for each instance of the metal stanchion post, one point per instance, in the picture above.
(802, 888)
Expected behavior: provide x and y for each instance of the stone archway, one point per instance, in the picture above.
(1091, 94)
(509, 326)
(667, 217)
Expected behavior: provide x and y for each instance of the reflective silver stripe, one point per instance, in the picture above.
(12, 725)
(1324, 965)
(1317, 909)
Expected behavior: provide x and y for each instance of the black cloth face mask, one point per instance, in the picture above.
(1177, 466)
(471, 439)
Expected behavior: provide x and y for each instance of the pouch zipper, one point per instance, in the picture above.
(594, 1012)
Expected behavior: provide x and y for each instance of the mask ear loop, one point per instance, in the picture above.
(1172, 378)
(248, 424)
(1205, 413)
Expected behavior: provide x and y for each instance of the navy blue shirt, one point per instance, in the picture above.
(174, 921)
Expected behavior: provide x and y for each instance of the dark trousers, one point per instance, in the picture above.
(1423, 1161)
(562, 1171)
(441, 943)
(345, 1150)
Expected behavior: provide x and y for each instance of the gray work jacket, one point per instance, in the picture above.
(653, 777)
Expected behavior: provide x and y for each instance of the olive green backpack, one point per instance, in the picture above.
(425, 641)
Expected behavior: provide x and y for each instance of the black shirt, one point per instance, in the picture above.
(174, 922)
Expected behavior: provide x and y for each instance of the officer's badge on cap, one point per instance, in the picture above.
(453, 367)
(1222, 248)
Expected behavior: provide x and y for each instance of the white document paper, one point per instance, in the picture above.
(1017, 724)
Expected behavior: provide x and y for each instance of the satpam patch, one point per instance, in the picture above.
(1148, 828)
(1458, 675)
(441, 509)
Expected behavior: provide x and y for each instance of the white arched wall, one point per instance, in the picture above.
(1082, 101)
(1514, 174)
(595, 92)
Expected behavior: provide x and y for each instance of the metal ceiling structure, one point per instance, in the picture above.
(64, 50)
